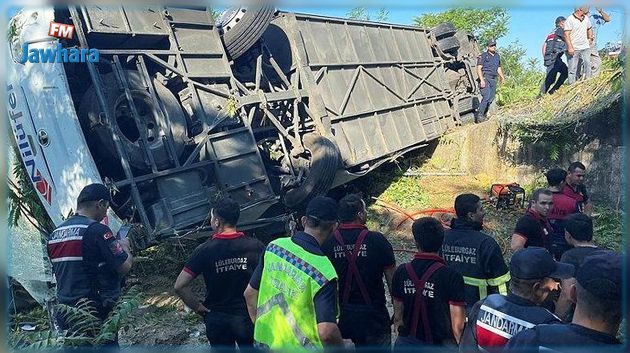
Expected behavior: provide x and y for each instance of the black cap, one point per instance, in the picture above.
(536, 263)
(94, 192)
(492, 42)
(600, 274)
(322, 208)
(560, 19)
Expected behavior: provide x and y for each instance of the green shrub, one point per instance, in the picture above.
(84, 327)
(523, 78)
(608, 226)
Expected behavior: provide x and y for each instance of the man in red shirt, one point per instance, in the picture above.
(227, 261)
(563, 206)
(574, 187)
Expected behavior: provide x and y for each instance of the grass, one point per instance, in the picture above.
(37, 317)
(390, 185)
(18, 337)
(157, 316)
(406, 192)
(499, 223)
(569, 103)
(608, 228)
(523, 88)
(417, 193)
(432, 191)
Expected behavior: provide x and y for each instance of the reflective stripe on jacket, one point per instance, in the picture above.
(477, 257)
(290, 280)
(496, 319)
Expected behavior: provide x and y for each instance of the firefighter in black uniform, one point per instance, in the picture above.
(361, 258)
(88, 260)
(495, 319)
(227, 261)
(533, 229)
(473, 254)
(598, 296)
(428, 295)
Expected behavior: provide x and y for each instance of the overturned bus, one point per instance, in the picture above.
(173, 110)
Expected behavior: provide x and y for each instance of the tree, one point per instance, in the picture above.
(484, 24)
(215, 14)
(363, 14)
(523, 75)
(382, 15)
(511, 62)
(359, 13)
(84, 327)
(23, 199)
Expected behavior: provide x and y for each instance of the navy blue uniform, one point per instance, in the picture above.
(556, 46)
(562, 338)
(477, 257)
(495, 319)
(575, 257)
(490, 70)
(85, 256)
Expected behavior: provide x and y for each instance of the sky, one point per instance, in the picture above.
(529, 25)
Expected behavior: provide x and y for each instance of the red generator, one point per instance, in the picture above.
(507, 195)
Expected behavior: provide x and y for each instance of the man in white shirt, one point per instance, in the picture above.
(579, 35)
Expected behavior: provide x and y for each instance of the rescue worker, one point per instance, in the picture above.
(292, 296)
(495, 319)
(428, 295)
(361, 258)
(598, 303)
(533, 229)
(88, 260)
(552, 50)
(488, 68)
(574, 187)
(226, 261)
(473, 254)
(578, 230)
(563, 206)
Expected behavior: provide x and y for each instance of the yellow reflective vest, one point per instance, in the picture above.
(290, 280)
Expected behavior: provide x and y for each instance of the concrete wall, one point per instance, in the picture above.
(483, 149)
